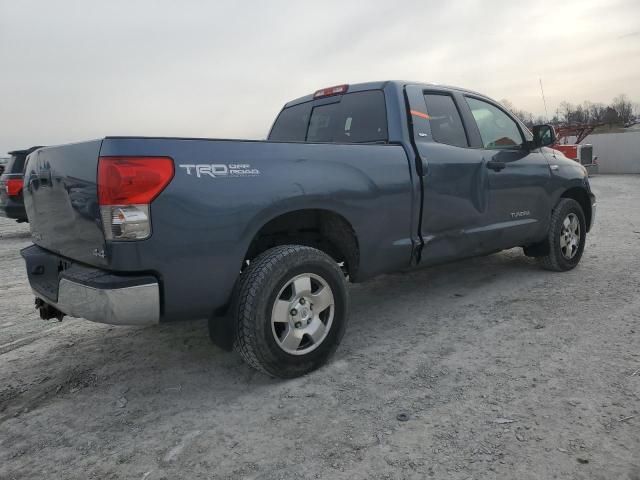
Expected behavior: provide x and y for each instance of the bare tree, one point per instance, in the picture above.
(610, 116)
(539, 120)
(623, 107)
(621, 110)
(507, 104)
(523, 115)
(636, 113)
(577, 116)
(565, 109)
(596, 112)
(586, 108)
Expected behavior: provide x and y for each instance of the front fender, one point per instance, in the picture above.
(570, 179)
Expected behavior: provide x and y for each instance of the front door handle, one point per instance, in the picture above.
(496, 165)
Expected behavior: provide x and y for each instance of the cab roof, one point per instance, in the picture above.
(380, 85)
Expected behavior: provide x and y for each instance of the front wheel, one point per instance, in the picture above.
(566, 237)
(291, 310)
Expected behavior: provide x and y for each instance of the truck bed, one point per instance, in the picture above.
(222, 193)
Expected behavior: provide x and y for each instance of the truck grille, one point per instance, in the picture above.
(586, 154)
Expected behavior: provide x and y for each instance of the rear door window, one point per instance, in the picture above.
(444, 120)
(358, 117)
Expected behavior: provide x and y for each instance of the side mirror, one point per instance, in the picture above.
(543, 135)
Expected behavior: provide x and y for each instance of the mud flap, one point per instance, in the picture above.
(221, 330)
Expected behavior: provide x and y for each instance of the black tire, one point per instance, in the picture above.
(258, 289)
(554, 259)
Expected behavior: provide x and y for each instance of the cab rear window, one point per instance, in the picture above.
(16, 164)
(358, 117)
(292, 123)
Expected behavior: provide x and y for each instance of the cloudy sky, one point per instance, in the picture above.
(75, 70)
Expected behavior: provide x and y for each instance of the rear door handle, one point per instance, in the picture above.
(496, 165)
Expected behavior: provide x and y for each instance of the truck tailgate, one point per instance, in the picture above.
(62, 203)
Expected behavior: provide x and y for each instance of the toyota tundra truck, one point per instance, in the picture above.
(262, 237)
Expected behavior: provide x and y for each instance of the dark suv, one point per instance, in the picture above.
(11, 199)
(3, 164)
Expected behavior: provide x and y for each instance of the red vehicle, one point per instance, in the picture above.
(581, 153)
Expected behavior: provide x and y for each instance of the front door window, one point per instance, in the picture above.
(497, 129)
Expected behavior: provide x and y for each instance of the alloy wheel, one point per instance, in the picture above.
(570, 236)
(302, 314)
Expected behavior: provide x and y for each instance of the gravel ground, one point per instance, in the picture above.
(486, 368)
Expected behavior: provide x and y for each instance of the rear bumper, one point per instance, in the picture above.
(138, 305)
(92, 293)
(592, 168)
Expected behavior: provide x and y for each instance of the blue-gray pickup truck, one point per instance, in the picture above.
(262, 237)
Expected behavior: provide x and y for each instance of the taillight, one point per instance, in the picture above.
(129, 180)
(14, 186)
(126, 187)
(328, 92)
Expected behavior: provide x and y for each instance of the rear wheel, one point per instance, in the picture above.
(291, 310)
(566, 237)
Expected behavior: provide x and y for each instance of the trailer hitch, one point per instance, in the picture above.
(47, 311)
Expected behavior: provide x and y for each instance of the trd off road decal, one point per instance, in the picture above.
(216, 170)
